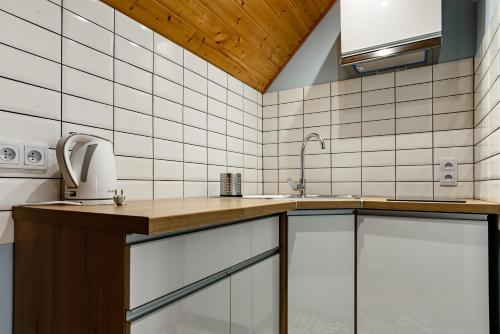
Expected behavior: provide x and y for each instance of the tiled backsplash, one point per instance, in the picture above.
(176, 121)
(385, 134)
(487, 113)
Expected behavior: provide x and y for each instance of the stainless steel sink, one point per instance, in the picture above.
(299, 197)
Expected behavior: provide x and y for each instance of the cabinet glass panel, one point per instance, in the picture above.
(321, 274)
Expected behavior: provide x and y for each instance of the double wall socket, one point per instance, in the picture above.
(448, 169)
(23, 155)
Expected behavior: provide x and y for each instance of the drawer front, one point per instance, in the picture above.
(162, 266)
(207, 311)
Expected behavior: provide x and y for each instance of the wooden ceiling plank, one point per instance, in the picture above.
(284, 10)
(152, 14)
(266, 18)
(217, 17)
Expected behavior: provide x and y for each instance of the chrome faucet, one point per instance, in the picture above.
(300, 186)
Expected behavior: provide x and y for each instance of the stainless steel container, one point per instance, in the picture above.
(230, 184)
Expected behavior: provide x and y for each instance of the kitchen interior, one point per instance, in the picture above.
(249, 166)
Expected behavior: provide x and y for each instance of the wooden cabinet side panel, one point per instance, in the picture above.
(68, 280)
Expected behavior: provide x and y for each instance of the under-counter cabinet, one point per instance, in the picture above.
(321, 272)
(422, 273)
(216, 280)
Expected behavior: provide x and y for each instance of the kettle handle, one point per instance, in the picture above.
(62, 155)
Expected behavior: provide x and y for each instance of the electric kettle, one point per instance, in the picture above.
(89, 171)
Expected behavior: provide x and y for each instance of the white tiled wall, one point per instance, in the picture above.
(78, 65)
(487, 113)
(385, 134)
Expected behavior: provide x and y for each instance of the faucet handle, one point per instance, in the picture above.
(296, 186)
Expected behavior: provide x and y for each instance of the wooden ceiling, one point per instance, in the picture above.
(250, 39)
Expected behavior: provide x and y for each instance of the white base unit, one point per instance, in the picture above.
(422, 275)
(162, 266)
(207, 312)
(255, 299)
(321, 274)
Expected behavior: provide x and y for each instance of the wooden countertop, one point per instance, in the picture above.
(160, 216)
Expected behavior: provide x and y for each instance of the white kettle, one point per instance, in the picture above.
(89, 171)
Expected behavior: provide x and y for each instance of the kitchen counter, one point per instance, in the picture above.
(169, 215)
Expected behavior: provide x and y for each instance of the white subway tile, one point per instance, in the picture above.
(414, 108)
(15, 191)
(379, 81)
(88, 112)
(195, 154)
(134, 54)
(29, 37)
(414, 76)
(195, 100)
(137, 190)
(95, 11)
(78, 83)
(217, 108)
(414, 190)
(317, 105)
(28, 68)
(270, 98)
(129, 98)
(317, 91)
(453, 86)
(378, 97)
(35, 129)
(414, 92)
(43, 13)
(217, 75)
(453, 69)
(169, 150)
(168, 189)
(168, 49)
(346, 87)
(133, 30)
(134, 77)
(133, 145)
(87, 33)
(166, 129)
(168, 170)
(86, 59)
(41, 102)
(195, 118)
(134, 168)
(291, 95)
(167, 109)
(167, 89)
(103, 133)
(289, 109)
(133, 122)
(195, 136)
(195, 63)
(217, 92)
(195, 82)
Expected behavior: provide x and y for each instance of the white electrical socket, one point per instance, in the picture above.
(9, 154)
(448, 172)
(23, 155)
(34, 155)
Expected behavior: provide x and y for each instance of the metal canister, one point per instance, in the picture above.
(230, 184)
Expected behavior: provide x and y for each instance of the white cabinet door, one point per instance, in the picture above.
(422, 275)
(368, 24)
(255, 299)
(205, 312)
(321, 274)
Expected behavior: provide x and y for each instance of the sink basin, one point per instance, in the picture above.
(297, 196)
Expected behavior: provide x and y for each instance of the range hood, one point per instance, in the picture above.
(378, 35)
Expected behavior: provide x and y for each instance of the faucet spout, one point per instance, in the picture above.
(301, 186)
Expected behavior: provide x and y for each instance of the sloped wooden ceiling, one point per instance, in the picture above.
(250, 39)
